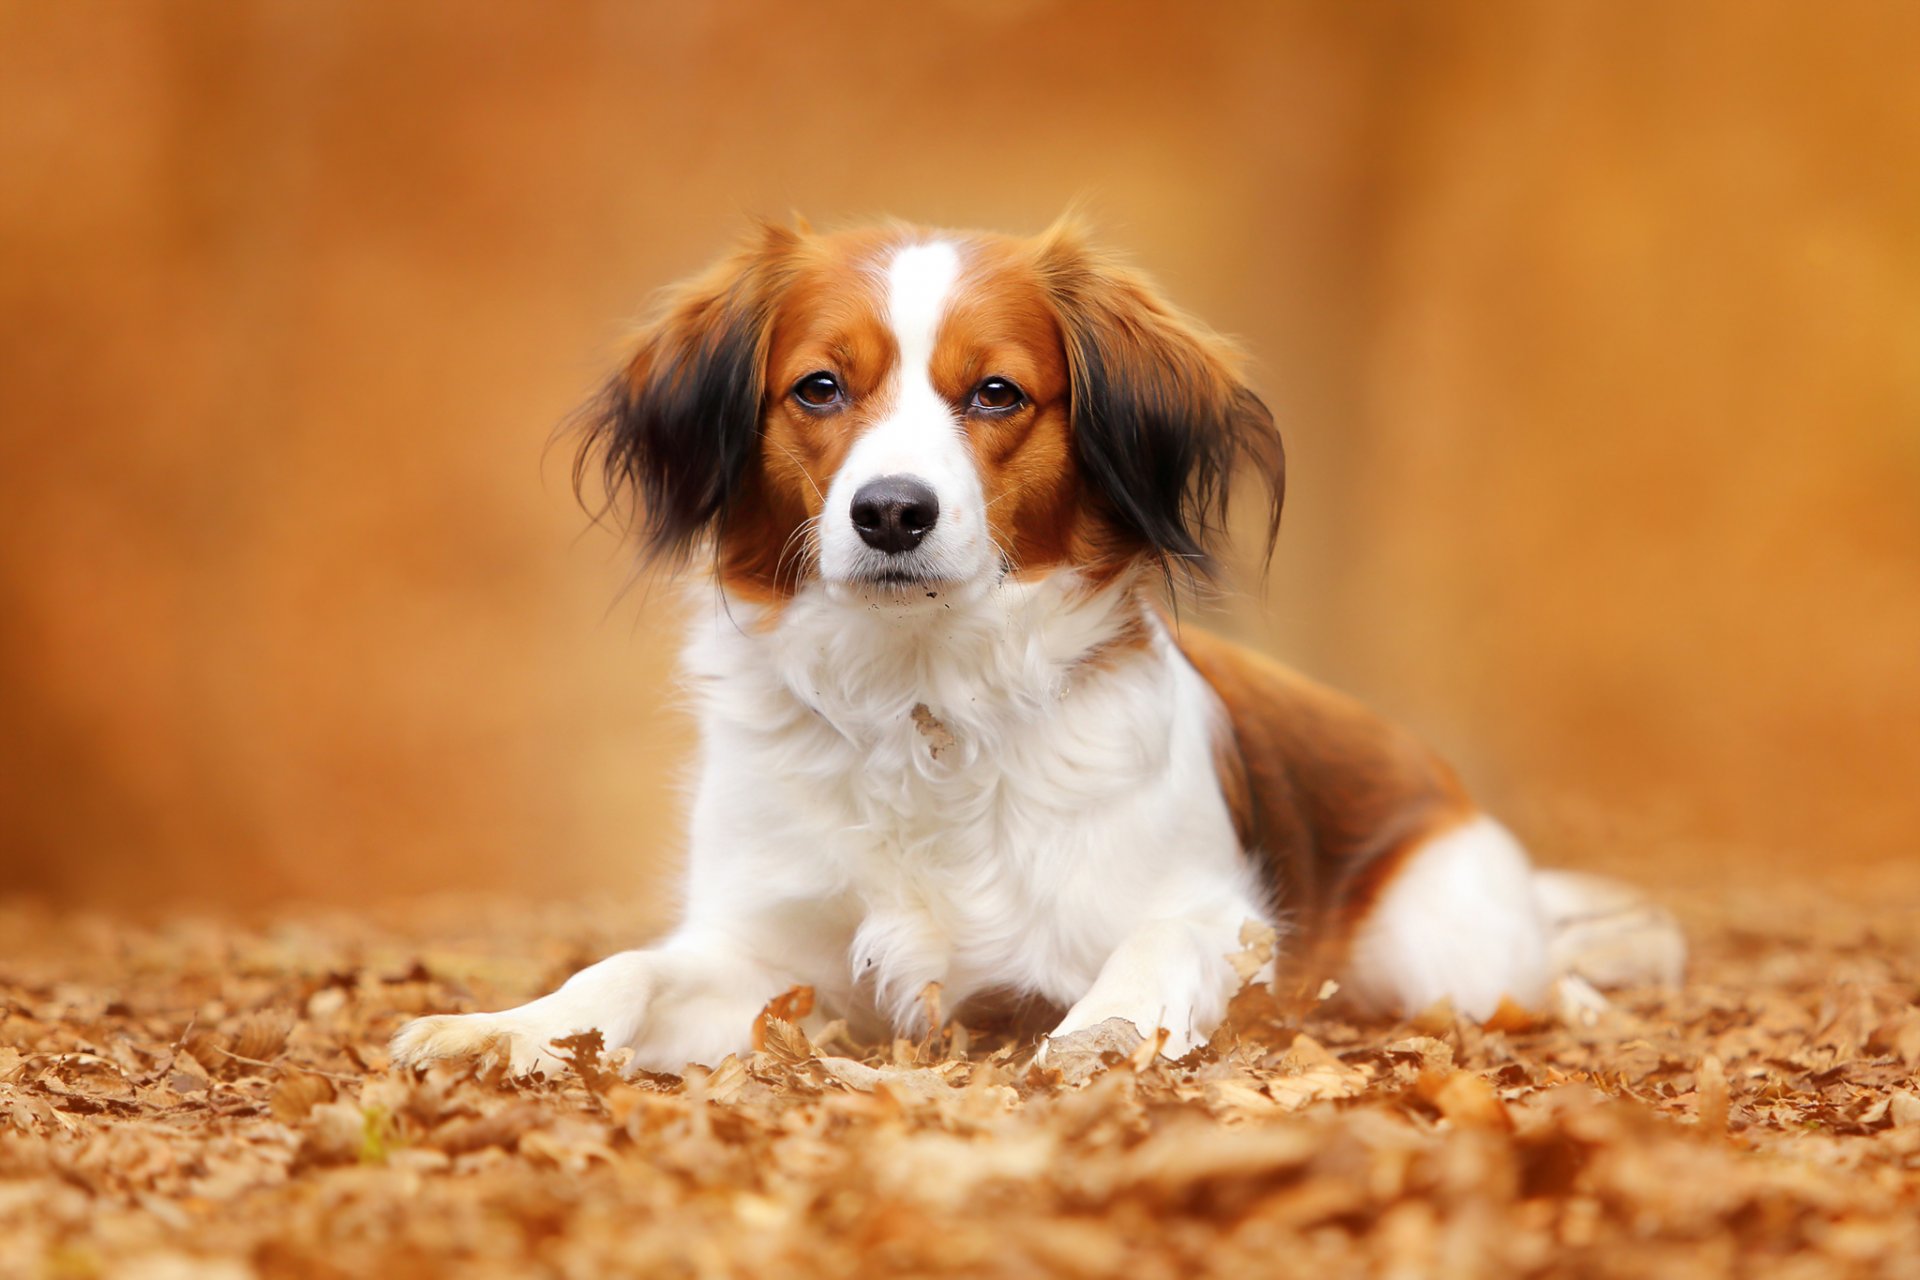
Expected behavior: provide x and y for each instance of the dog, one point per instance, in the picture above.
(950, 730)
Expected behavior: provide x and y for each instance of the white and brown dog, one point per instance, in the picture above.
(948, 733)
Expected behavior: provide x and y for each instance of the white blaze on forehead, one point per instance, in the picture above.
(918, 281)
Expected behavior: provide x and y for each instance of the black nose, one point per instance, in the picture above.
(892, 513)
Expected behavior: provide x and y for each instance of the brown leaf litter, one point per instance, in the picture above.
(206, 1100)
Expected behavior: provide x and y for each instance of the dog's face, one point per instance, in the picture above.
(904, 415)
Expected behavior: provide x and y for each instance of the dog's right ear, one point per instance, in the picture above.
(673, 433)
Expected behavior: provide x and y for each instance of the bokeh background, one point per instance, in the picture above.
(1594, 329)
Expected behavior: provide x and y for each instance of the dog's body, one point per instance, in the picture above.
(947, 733)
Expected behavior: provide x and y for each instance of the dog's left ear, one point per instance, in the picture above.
(673, 433)
(1161, 418)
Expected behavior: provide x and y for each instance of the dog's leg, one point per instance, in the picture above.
(1468, 919)
(1459, 921)
(1167, 973)
(673, 1005)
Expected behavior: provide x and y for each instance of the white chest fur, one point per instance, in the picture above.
(952, 792)
(993, 796)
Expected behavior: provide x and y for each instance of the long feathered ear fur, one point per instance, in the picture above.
(1161, 419)
(673, 433)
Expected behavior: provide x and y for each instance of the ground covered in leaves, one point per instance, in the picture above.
(204, 1100)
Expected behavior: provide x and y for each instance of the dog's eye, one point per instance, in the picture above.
(819, 390)
(997, 395)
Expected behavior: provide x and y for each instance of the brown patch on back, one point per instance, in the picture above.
(1327, 795)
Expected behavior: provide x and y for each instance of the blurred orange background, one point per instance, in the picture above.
(1594, 330)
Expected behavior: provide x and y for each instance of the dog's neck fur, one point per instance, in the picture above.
(982, 663)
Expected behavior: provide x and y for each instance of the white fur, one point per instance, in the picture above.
(1072, 808)
(1459, 921)
(1069, 841)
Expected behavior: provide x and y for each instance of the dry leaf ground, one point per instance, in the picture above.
(193, 1099)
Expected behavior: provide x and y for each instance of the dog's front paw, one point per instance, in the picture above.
(492, 1039)
(1110, 1030)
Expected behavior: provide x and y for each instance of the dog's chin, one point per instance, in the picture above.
(897, 588)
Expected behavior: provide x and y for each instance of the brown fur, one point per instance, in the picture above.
(1326, 794)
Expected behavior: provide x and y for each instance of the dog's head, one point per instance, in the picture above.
(898, 412)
